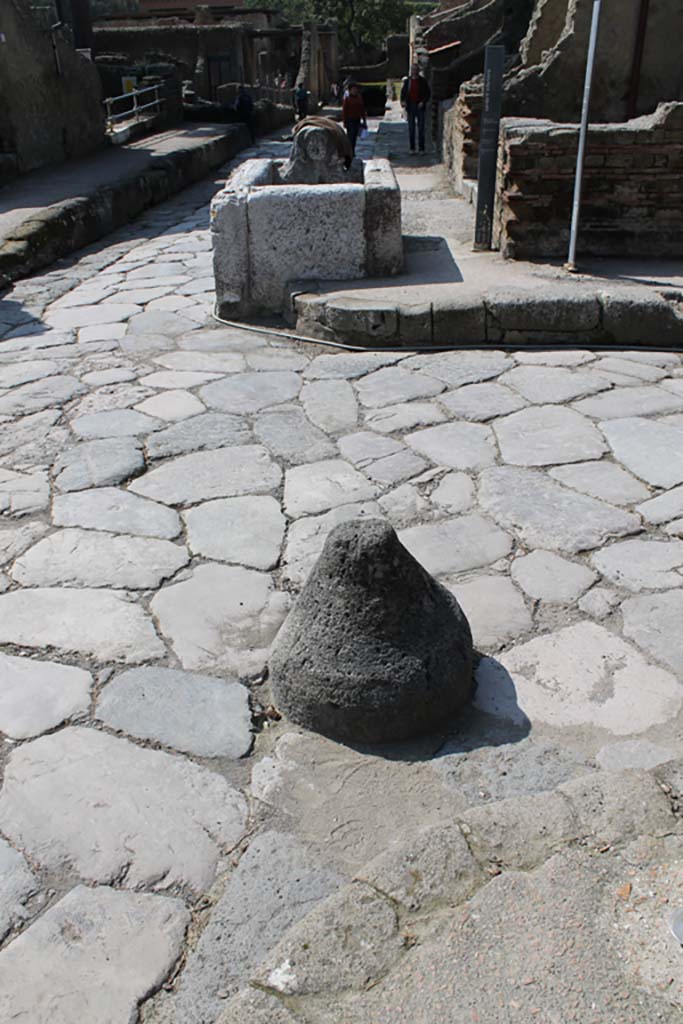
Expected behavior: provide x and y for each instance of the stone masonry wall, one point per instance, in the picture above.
(633, 187)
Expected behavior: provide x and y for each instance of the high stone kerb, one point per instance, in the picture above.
(374, 649)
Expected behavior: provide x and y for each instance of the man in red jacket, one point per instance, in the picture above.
(354, 115)
(415, 95)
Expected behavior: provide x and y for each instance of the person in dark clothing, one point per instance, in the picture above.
(415, 95)
(354, 114)
(301, 98)
(244, 108)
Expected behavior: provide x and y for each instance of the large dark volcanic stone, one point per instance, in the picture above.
(374, 648)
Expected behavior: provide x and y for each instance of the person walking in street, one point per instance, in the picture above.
(415, 95)
(301, 99)
(244, 108)
(354, 115)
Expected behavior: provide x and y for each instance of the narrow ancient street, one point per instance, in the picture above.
(174, 852)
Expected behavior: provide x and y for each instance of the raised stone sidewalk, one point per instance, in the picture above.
(171, 850)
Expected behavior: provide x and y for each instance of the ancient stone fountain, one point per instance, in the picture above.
(314, 217)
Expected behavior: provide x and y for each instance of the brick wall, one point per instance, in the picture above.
(460, 144)
(633, 187)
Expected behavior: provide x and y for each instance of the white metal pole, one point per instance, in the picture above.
(583, 132)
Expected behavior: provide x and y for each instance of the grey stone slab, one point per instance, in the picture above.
(223, 340)
(546, 385)
(178, 379)
(394, 384)
(169, 325)
(349, 365)
(306, 537)
(94, 956)
(456, 545)
(115, 511)
(161, 825)
(630, 401)
(602, 480)
(651, 450)
(675, 529)
(653, 621)
(633, 755)
(458, 368)
(482, 402)
(495, 610)
(545, 576)
(599, 602)
(365, 447)
(277, 881)
(330, 405)
(39, 695)
(255, 1006)
(216, 362)
(21, 493)
(455, 493)
(289, 435)
(98, 463)
(17, 885)
(320, 486)
(393, 468)
(277, 359)
(397, 418)
(115, 423)
(172, 406)
(15, 539)
(114, 396)
(25, 430)
(223, 618)
(89, 558)
(642, 564)
(457, 445)
(546, 515)
(663, 508)
(196, 714)
(555, 357)
(200, 476)
(88, 316)
(250, 392)
(583, 675)
(248, 531)
(26, 371)
(630, 368)
(206, 431)
(547, 434)
(115, 375)
(39, 395)
(96, 623)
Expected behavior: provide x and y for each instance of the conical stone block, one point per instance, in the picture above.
(374, 648)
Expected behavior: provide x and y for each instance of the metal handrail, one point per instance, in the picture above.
(137, 108)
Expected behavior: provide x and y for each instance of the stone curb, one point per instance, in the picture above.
(65, 227)
(582, 315)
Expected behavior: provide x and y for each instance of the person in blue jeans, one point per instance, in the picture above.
(415, 95)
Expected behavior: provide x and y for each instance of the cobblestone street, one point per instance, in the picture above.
(173, 852)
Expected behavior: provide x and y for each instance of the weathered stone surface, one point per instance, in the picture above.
(24, 431)
(545, 385)
(482, 401)
(599, 602)
(494, 608)
(374, 649)
(458, 445)
(348, 365)
(115, 423)
(289, 435)
(249, 392)
(629, 368)
(663, 508)
(228, 472)
(651, 450)
(115, 375)
(547, 434)
(178, 379)
(216, 362)
(160, 826)
(458, 368)
(654, 623)
(15, 539)
(92, 622)
(87, 558)
(281, 358)
(547, 577)
(455, 493)
(632, 755)
(602, 480)
(86, 316)
(255, 1006)
(277, 881)
(547, 515)
(197, 714)
(330, 405)
(39, 395)
(248, 531)
(456, 545)
(17, 884)
(306, 537)
(397, 418)
(94, 956)
(206, 431)
(222, 618)
(26, 371)
(169, 325)
(642, 564)
(98, 463)
(21, 493)
(39, 695)
(115, 511)
(323, 485)
(171, 406)
(394, 384)
(584, 675)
